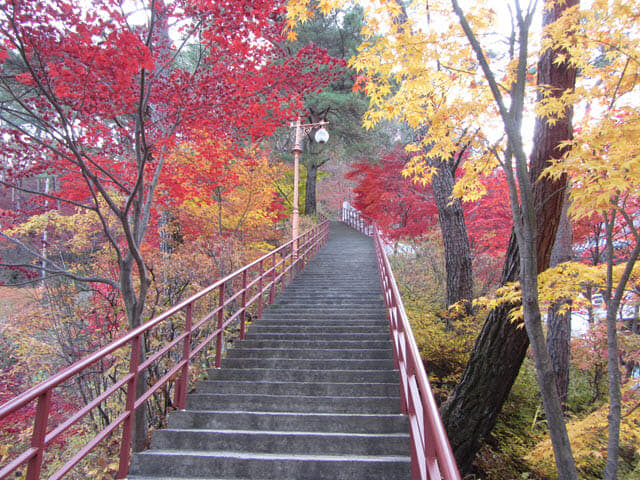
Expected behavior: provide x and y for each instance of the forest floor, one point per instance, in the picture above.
(14, 300)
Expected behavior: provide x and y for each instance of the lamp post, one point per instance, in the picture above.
(321, 136)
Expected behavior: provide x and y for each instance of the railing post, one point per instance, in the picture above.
(260, 286)
(299, 260)
(39, 434)
(283, 272)
(183, 380)
(243, 315)
(303, 257)
(292, 272)
(273, 279)
(127, 426)
(219, 338)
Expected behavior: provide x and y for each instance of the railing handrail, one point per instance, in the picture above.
(291, 262)
(431, 454)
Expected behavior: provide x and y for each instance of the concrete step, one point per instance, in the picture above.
(329, 309)
(311, 354)
(304, 375)
(333, 389)
(335, 317)
(261, 328)
(283, 442)
(303, 364)
(343, 294)
(335, 290)
(309, 344)
(338, 301)
(249, 465)
(294, 403)
(266, 334)
(345, 320)
(289, 421)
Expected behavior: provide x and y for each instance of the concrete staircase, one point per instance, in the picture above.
(310, 394)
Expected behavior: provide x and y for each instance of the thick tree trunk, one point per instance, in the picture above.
(559, 346)
(310, 195)
(470, 412)
(456, 241)
(559, 315)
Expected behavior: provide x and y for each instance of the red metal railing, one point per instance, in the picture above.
(254, 285)
(431, 454)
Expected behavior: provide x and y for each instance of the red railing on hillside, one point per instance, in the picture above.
(254, 285)
(431, 454)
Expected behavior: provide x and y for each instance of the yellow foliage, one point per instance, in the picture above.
(565, 281)
(604, 158)
(77, 230)
(246, 206)
(589, 442)
(443, 350)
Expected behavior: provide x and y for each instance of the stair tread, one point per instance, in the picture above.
(294, 433)
(273, 456)
(301, 414)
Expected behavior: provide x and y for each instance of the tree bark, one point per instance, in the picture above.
(559, 346)
(613, 299)
(457, 250)
(310, 205)
(471, 411)
(559, 315)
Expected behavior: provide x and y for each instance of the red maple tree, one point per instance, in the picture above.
(400, 207)
(403, 208)
(97, 98)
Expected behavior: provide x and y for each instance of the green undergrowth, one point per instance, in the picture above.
(444, 346)
(444, 343)
(519, 428)
(588, 434)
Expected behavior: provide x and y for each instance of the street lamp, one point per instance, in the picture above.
(321, 136)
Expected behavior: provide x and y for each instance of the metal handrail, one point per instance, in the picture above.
(261, 278)
(431, 454)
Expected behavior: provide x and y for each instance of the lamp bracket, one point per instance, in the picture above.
(302, 129)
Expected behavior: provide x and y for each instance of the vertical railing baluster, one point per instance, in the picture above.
(127, 427)
(260, 287)
(220, 336)
(273, 279)
(39, 434)
(183, 380)
(243, 315)
(283, 270)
